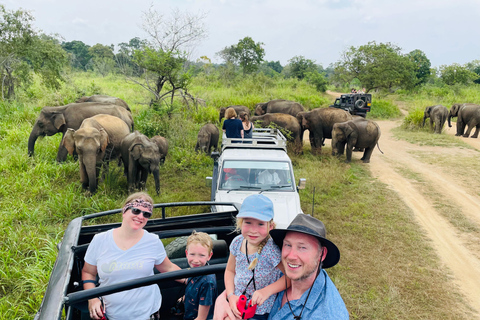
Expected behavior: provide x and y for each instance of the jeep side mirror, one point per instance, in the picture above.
(208, 181)
(301, 184)
(215, 155)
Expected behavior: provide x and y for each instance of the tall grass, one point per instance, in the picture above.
(387, 268)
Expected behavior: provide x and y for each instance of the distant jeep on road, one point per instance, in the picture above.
(355, 103)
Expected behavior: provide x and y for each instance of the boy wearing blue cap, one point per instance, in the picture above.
(254, 269)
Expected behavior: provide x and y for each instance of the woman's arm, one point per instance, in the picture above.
(222, 309)
(89, 272)
(167, 266)
(230, 285)
(202, 312)
(261, 295)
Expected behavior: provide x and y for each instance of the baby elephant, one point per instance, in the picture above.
(207, 138)
(140, 157)
(438, 115)
(359, 133)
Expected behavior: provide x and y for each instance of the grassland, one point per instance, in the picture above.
(387, 268)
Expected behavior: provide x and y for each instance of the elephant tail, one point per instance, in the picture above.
(378, 146)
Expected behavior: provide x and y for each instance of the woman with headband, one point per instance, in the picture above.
(122, 254)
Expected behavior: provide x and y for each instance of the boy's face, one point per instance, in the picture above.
(197, 255)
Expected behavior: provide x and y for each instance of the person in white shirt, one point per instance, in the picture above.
(268, 176)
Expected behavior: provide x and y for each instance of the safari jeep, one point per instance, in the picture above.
(65, 297)
(355, 103)
(237, 171)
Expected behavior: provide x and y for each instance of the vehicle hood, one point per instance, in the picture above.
(285, 204)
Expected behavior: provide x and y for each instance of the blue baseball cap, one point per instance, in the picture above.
(256, 206)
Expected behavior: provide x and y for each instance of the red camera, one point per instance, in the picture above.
(246, 309)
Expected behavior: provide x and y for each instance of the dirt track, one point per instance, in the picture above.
(459, 251)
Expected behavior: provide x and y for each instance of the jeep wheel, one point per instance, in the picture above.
(176, 248)
(359, 104)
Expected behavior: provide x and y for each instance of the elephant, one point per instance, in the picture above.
(285, 121)
(468, 114)
(237, 108)
(105, 99)
(140, 157)
(319, 122)
(162, 144)
(53, 120)
(438, 115)
(355, 133)
(278, 106)
(96, 142)
(207, 138)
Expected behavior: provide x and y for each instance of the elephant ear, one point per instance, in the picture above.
(136, 151)
(428, 110)
(58, 120)
(351, 131)
(104, 140)
(68, 141)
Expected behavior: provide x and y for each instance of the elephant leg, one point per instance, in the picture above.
(469, 130)
(432, 125)
(460, 127)
(477, 129)
(368, 154)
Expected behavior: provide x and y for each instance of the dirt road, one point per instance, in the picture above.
(458, 250)
(427, 188)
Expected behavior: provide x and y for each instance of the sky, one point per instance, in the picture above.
(447, 31)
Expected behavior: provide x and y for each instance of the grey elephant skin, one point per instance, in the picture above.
(285, 121)
(468, 115)
(438, 115)
(162, 144)
(319, 122)
(105, 99)
(237, 108)
(53, 120)
(96, 142)
(207, 138)
(278, 106)
(359, 133)
(140, 157)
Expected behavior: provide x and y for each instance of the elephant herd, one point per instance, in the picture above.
(468, 117)
(345, 130)
(99, 129)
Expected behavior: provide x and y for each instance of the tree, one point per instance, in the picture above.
(299, 67)
(124, 58)
(422, 66)
(23, 51)
(456, 74)
(79, 54)
(164, 56)
(376, 66)
(275, 66)
(474, 66)
(245, 53)
(102, 58)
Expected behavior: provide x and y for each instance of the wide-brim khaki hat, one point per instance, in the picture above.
(307, 224)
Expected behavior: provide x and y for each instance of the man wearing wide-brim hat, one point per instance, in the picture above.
(305, 253)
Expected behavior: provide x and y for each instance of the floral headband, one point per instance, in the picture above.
(138, 203)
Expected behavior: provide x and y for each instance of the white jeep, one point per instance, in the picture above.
(257, 165)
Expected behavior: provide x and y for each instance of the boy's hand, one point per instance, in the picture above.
(260, 296)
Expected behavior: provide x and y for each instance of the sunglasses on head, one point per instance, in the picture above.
(137, 211)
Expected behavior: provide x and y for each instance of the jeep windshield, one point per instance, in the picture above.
(256, 175)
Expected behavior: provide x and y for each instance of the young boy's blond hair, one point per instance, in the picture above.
(202, 238)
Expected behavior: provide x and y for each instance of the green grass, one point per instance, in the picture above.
(388, 269)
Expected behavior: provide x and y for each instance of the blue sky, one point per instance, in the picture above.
(447, 31)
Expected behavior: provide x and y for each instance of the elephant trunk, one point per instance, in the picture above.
(449, 116)
(32, 139)
(156, 177)
(424, 118)
(90, 163)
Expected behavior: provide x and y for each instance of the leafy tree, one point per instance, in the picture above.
(124, 58)
(456, 74)
(299, 66)
(164, 56)
(79, 53)
(23, 51)
(376, 66)
(102, 58)
(275, 65)
(474, 66)
(422, 66)
(317, 79)
(245, 53)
